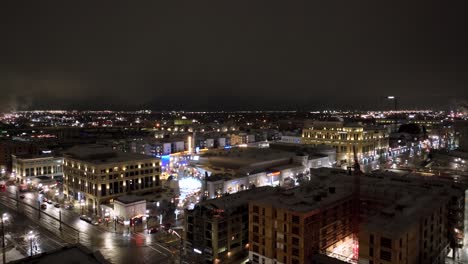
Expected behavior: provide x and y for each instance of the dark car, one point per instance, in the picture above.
(153, 230)
(57, 205)
(22, 196)
(49, 201)
(43, 206)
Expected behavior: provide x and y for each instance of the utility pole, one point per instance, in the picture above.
(3, 239)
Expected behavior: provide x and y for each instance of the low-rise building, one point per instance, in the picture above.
(128, 207)
(97, 175)
(26, 166)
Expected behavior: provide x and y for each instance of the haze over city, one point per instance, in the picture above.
(163, 55)
(233, 132)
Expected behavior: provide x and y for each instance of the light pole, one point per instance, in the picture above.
(394, 98)
(4, 218)
(31, 238)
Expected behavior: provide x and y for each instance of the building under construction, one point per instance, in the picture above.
(401, 220)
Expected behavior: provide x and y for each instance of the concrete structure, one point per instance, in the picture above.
(129, 206)
(95, 174)
(37, 165)
(216, 230)
(369, 141)
(405, 219)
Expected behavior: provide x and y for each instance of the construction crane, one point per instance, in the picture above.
(356, 204)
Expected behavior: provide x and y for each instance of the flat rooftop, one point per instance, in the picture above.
(99, 154)
(128, 199)
(236, 158)
(237, 199)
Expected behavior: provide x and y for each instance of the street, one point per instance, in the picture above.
(130, 247)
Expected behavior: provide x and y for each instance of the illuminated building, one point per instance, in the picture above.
(369, 141)
(237, 169)
(242, 138)
(25, 166)
(216, 230)
(403, 220)
(97, 175)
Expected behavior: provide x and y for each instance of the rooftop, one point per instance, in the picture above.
(236, 199)
(99, 154)
(128, 199)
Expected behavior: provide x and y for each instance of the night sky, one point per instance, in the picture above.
(232, 55)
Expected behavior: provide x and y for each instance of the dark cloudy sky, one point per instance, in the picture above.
(203, 55)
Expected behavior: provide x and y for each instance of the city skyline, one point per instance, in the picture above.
(303, 56)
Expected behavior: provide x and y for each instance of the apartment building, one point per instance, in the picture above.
(408, 219)
(96, 175)
(369, 141)
(414, 231)
(216, 230)
(291, 226)
(26, 166)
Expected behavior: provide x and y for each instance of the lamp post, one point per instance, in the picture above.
(31, 238)
(4, 218)
(394, 98)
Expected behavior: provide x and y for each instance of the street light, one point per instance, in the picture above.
(31, 237)
(391, 97)
(4, 218)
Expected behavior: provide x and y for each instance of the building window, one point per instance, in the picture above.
(295, 219)
(385, 242)
(386, 255)
(371, 239)
(295, 230)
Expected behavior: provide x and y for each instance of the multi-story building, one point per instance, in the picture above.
(25, 166)
(369, 141)
(96, 175)
(216, 230)
(411, 231)
(291, 226)
(242, 138)
(402, 220)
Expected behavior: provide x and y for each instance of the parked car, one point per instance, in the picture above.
(43, 206)
(89, 220)
(57, 205)
(22, 196)
(153, 230)
(49, 201)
